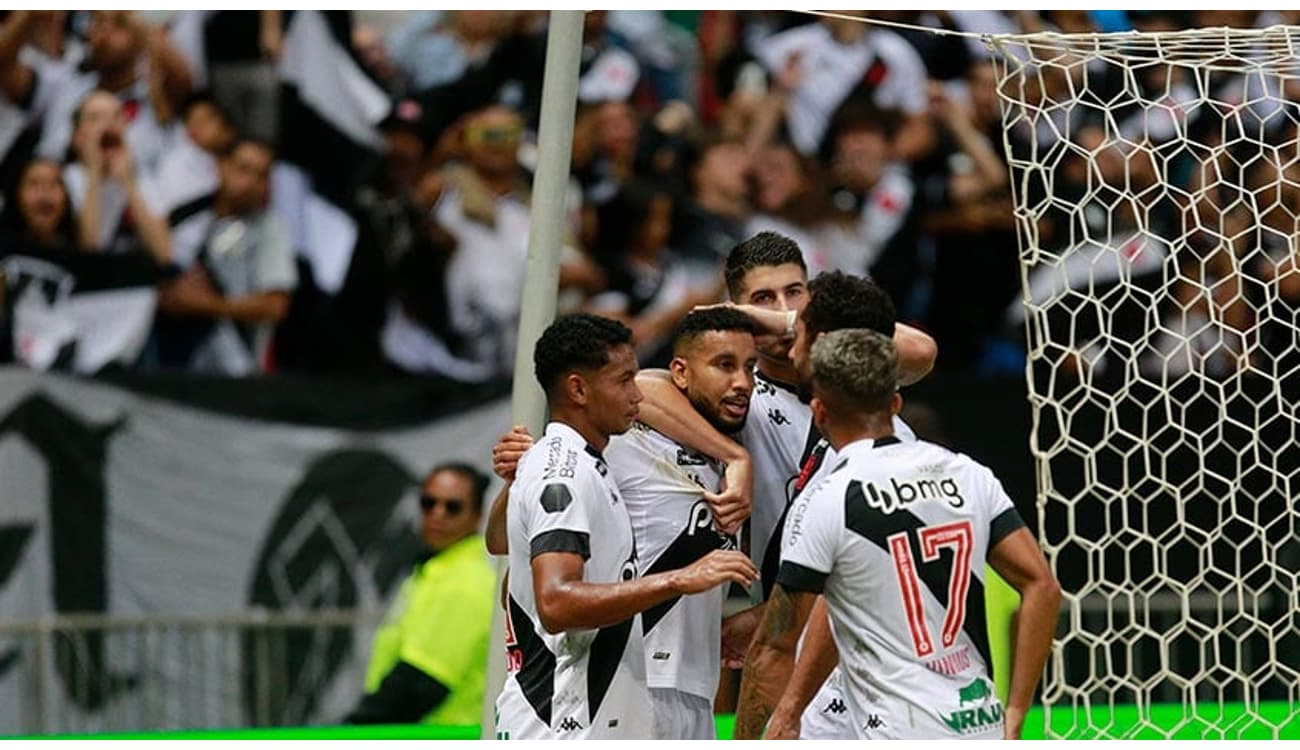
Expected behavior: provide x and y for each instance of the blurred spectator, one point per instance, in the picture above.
(606, 72)
(242, 47)
(649, 288)
(665, 47)
(790, 198)
(837, 60)
(713, 221)
(117, 205)
(188, 168)
(37, 213)
(872, 193)
(485, 207)
(428, 661)
(237, 272)
(402, 252)
(967, 209)
(132, 61)
(368, 43)
(435, 47)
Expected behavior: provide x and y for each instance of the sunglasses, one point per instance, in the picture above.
(450, 507)
(493, 136)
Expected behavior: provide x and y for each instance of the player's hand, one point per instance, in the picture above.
(714, 569)
(737, 634)
(784, 725)
(1015, 723)
(509, 449)
(732, 506)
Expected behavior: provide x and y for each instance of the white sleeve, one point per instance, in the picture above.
(1003, 518)
(811, 539)
(556, 512)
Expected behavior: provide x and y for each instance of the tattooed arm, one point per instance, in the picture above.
(770, 659)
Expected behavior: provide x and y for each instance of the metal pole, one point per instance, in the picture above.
(541, 273)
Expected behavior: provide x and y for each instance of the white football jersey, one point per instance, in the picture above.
(896, 537)
(578, 684)
(789, 456)
(662, 484)
(778, 434)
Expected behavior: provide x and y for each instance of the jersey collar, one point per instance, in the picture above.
(777, 383)
(865, 445)
(568, 433)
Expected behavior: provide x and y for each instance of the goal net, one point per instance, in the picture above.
(1156, 182)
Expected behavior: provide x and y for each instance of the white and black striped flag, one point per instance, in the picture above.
(329, 110)
(75, 312)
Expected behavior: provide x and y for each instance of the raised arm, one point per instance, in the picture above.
(668, 411)
(1018, 559)
(816, 661)
(770, 660)
(566, 602)
(16, 77)
(916, 353)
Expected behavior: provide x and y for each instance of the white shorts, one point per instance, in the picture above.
(827, 716)
(682, 716)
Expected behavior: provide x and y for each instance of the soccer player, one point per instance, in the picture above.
(665, 486)
(574, 645)
(791, 454)
(895, 538)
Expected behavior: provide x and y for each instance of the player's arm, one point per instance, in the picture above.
(738, 633)
(816, 662)
(1017, 558)
(566, 602)
(494, 534)
(917, 352)
(771, 659)
(668, 411)
(509, 448)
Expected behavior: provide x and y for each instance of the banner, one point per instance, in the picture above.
(76, 312)
(133, 502)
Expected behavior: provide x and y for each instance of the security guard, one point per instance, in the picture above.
(429, 657)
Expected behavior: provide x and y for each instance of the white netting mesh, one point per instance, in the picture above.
(1157, 194)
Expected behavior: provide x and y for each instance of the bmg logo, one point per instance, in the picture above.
(902, 494)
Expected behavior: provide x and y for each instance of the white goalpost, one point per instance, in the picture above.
(1156, 182)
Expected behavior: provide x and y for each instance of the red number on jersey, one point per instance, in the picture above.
(961, 539)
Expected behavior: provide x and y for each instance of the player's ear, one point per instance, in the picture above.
(818, 412)
(575, 387)
(895, 404)
(677, 368)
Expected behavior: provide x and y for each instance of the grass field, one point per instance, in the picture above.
(1229, 721)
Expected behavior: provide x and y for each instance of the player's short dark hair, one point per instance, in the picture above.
(839, 300)
(477, 479)
(709, 319)
(760, 251)
(580, 341)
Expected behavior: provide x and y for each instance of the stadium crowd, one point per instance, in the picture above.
(343, 193)
(165, 137)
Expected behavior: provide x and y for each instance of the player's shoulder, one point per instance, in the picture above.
(562, 456)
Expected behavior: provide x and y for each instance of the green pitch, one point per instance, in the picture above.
(1229, 721)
